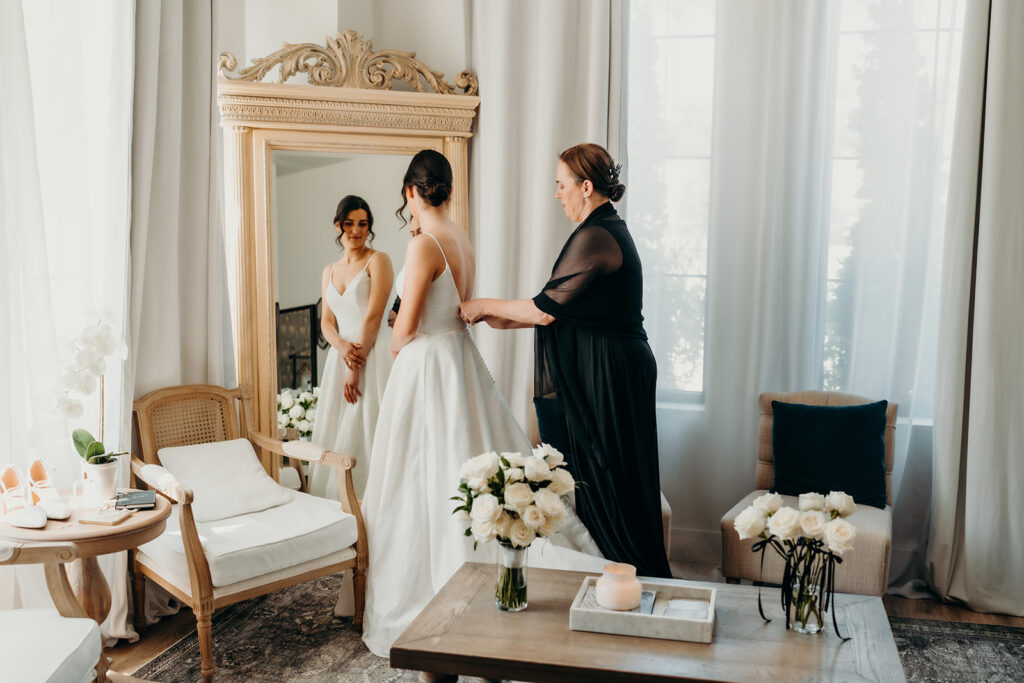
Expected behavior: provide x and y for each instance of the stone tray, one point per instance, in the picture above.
(694, 623)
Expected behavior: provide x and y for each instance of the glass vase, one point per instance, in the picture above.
(510, 591)
(806, 613)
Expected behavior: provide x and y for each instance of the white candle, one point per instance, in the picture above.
(618, 588)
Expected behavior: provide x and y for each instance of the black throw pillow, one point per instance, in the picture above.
(830, 448)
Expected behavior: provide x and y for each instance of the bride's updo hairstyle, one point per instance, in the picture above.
(593, 162)
(431, 174)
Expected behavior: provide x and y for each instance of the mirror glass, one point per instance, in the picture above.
(307, 187)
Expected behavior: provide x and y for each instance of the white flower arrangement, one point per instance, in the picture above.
(811, 541)
(297, 409)
(512, 497)
(84, 375)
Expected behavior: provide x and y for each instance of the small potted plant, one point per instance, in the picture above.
(98, 465)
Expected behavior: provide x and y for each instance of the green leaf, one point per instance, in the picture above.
(456, 498)
(100, 459)
(94, 449)
(82, 439)
(469, 532)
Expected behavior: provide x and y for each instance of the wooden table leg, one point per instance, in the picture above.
(427, 677)
(90, 587)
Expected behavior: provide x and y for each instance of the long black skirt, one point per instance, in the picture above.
(605, 389)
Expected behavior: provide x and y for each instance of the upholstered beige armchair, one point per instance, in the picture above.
(234, 533)
(865, 569)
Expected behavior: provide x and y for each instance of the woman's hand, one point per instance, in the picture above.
(352, 354)
(472, 312)
(352, 392)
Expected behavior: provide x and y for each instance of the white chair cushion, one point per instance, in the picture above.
(258, 543)
(226, 478)
(41, 645)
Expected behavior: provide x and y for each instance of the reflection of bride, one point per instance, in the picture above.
(355, 293)
(439, 409)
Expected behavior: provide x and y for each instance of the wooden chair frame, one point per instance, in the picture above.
(236, 407)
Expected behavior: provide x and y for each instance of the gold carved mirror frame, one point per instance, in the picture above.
(348, 107)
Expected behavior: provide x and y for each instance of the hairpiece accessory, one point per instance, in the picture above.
(613, 172)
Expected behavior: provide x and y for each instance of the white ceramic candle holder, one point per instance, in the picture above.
(618, 588)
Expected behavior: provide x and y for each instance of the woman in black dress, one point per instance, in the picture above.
(592, 354)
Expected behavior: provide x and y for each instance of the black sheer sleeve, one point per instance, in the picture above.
(591, 251)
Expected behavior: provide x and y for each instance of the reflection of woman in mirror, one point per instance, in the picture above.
(439, 409)
(592, 352)
(355, 292)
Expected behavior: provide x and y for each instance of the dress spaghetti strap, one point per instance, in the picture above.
(439, 249)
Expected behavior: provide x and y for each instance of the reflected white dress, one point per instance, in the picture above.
(342, 426)
(439, 409)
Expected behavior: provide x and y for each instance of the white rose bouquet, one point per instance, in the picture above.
(297, 409)
(811, 541)
(513, 498)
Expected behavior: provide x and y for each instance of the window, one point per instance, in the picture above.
(671, 69)
(892, 91)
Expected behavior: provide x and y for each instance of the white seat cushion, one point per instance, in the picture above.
(226, 478)
(239, 548)
(40, 645)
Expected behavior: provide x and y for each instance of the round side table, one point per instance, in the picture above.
(93, 540)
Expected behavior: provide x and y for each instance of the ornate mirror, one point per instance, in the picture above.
(291, 152)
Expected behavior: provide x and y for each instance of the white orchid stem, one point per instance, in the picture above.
(100, 439)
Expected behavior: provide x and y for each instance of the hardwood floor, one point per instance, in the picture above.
(127, 657)
(935, 609)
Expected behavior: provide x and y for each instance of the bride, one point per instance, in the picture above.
(439, 409)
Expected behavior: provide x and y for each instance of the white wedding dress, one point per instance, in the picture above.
(439, 409)
(341, 426)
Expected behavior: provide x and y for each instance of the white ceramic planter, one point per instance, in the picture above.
(104, 477)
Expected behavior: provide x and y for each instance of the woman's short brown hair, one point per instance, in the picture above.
(593, 162)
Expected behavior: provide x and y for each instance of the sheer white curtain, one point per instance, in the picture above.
(536, 102)
(65, 145)
(976, 550)
(788, 167)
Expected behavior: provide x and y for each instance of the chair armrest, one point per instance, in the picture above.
(36, 553)
(303, 450)
(161, 479)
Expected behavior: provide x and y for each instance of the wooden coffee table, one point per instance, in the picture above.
(461, 632)
(93, 540)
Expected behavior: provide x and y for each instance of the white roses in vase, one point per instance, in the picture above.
(810, 539)
(513, 497)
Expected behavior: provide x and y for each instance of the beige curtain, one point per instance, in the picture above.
(976, 548)
(179, 321)
(179, 317)
(544, 72)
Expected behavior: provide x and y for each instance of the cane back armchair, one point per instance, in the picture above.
(209, 565)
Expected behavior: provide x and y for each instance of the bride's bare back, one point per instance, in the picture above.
(424, 264)
(461, 259)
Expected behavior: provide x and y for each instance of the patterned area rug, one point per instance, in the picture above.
(293, 635)
(956, 652)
